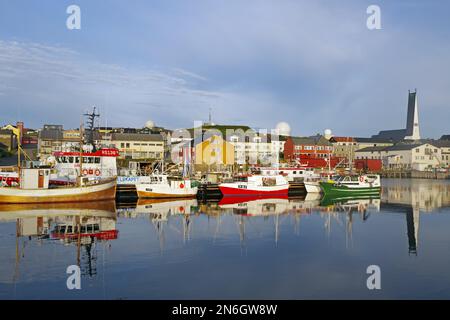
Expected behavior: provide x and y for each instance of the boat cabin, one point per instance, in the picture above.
(34, 178)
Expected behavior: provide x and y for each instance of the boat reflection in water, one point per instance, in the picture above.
(81, 225)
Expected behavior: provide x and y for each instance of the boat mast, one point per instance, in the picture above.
(80, 175)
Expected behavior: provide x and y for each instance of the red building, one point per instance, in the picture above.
(312, 151)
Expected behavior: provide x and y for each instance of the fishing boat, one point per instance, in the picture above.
(352, 185)
(34, 185)
(163, 186)
(34, 188)
(256, 185)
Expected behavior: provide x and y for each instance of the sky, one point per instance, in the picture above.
(313, 64)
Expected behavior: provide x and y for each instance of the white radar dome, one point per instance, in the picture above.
(284, 129)
(150, 124)
(328, 133)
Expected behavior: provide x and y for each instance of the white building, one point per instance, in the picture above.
(138, 146)
(422, 156)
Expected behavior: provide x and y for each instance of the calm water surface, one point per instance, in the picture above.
(260, 249)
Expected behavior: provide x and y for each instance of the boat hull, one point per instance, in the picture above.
(335, 190)
(256, 191)
(101, 191)
(164, 192)
(312, 187)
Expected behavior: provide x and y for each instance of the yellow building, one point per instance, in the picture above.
(213, 153)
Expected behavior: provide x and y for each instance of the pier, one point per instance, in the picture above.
(408, 174)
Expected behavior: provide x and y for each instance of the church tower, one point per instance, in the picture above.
(412, 121)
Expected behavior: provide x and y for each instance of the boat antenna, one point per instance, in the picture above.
(90, 126)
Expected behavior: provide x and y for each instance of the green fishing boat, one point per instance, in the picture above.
(346, 186)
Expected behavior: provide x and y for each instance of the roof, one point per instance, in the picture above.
(400, 147)
(312, 140)
(342, 139)
(372, 149)
(373, 140)
(395, 135)
(445, 137)
(441, 143)
(136, 137)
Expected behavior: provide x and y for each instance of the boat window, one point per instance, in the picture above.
(77, 159)
(69, 229)
(354, 178)
(83, 229)
(346, 179)
(295, 172)
(90, 228)
(269, 181)
(70, 159)
(62, 229)
(96, 227)
(97, 160)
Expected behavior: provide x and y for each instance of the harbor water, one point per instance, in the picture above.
(299, 248)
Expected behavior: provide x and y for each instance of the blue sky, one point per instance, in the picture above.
(313, 64)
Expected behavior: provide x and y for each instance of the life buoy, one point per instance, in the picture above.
(97, 172)
(361, 179)
(181, 185)
(85, 171)
(181, 209)
(91, 171)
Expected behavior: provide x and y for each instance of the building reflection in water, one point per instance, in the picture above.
(81, 225)
(413, 196)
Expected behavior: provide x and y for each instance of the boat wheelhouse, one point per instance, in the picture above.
(98, 164)
(302, 173)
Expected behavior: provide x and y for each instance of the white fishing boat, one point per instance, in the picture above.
(163, 186)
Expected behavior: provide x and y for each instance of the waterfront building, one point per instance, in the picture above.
(213, 154)
(417, 156)
(445, 151)
(412, 130)
(138, 146)
(314, 150)
(345, 147)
